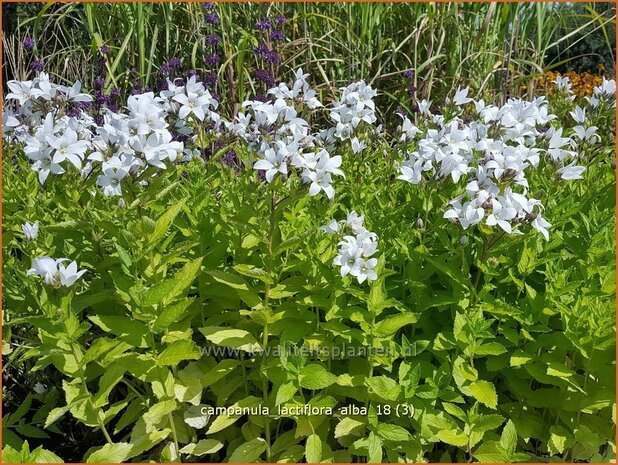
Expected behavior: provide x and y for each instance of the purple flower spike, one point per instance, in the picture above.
(28, 43)
(408, 74)
(37, 65)
(277, 35)
(104, 49)
(263, 25)
(279, 20)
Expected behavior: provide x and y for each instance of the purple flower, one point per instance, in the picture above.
(279, 20)
(264, 76)
(231, 159)
(208, 6)
(213, 39)
(263, 25)
(37, 65)
(211, 79)
(411, 90)
(277, 35)
(408, 74)
(273, 58)
(212, 18)
(104, 49)
(28, 43)
(212, 60)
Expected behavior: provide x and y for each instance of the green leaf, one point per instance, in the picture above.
(231, 337)
(285, 393)
(253, 272)
(394, 433)
(508, 439)
(248, 452)
(111, 453)
(202, 447)
(129, 330)
(163, 223)
(348, 426)
(374, 448)
(559, 439)
(165, 291)
(178, 351)
(485, 393)
(384, 387)
(453, 437)
(390, 325)
(313, 449)
(490, 348)
(488, 422)
(315, 376)
(171, 314)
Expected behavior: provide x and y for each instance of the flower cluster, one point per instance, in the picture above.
(493, 152)
(54, 272)
(356, 247)
(283, 140)
(355, 105)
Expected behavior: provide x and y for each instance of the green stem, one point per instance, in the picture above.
(174, 435)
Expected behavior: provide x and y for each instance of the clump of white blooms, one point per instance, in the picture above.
(493, 151)
(31, 231)
(356, 247)
(283, 140)
(355, 105)
(54, 272)
(124, 144)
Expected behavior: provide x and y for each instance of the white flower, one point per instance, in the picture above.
(331, 228)
(273, 163)
(586, 133)
(54, 272)
(70, 274)
(563, 83)
(571, 172)
(578, 114)
(358, 145)
(320, 180)
(110, 180)
(541, 225)
(363, 269)
(461, 97)
(193, 104)
(31, 231)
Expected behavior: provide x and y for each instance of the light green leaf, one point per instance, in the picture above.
(313, 449)
(231, 337)
(349, 426)
(111, 453)
(485, 393)
(165, 291)
(453, 437)
(384, 387)
(394, 433)
(202, 447)
(389, 326)
(315, 376)
(248, 452)
(508, 439)
(285, 393)
(178, 351)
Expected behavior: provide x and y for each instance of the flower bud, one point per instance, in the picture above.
(121, 203)
(420, 224)
(463, 240)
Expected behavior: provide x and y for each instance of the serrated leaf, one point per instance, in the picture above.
(393, 433)
(202, 447)
(453, 437)
(315, 376)
(178, 351)
(348, 426)
(285, 393)
(248, 452)
(111, 453)
(231, 337)
(390, 325)
(485, 393)
(313, 449)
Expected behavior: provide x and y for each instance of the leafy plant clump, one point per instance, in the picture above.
(300, 283)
